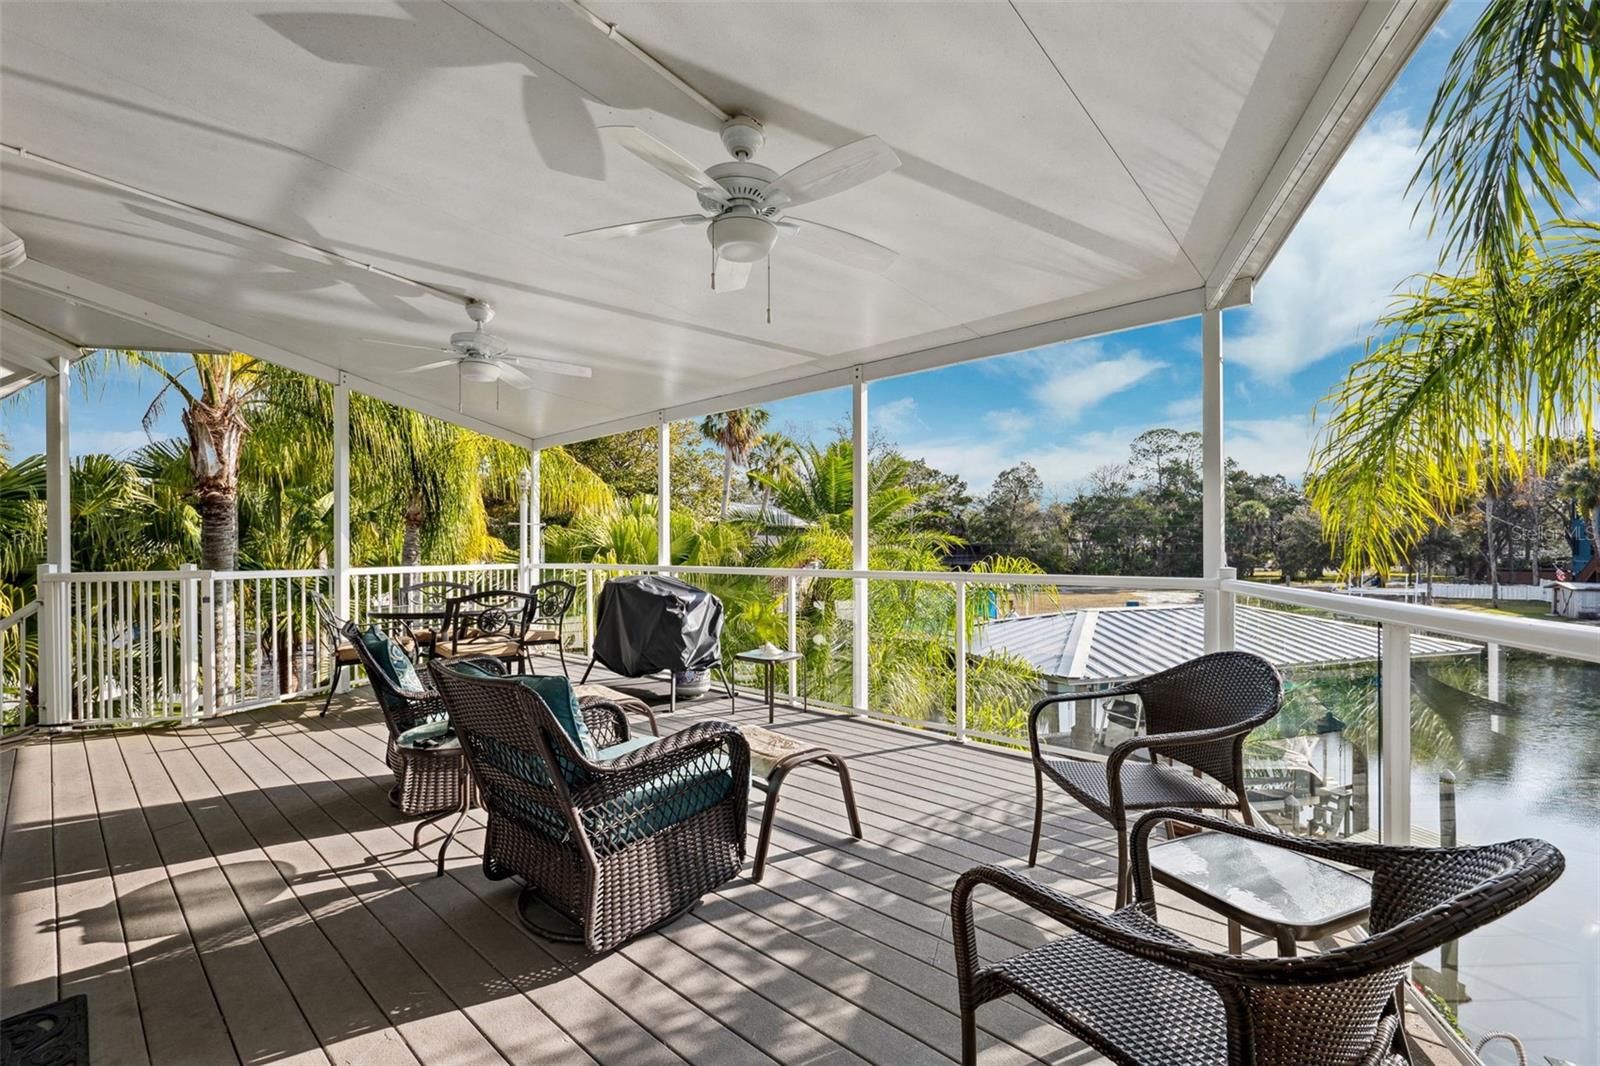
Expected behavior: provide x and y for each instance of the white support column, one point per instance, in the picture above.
(961, 660)
(532, 524)
(341, 496)
(58, 466)
(1394, 735)
(1213, 533)
(663, 490)
(860, 557)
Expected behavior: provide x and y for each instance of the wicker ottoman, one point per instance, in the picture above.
(772, 756)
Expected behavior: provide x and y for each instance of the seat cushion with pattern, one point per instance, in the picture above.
(1120, 1003)
(392, 659)
(493, 647)
(541, 636)
(1144, 785)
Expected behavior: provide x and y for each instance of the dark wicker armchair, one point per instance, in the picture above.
(1197, 713)
(607, 845)
(1141, 995)
(424, 780)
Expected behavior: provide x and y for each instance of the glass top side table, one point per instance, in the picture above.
(771, 657)
(1270, 890)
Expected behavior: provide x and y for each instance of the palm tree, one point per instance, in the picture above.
(1581, 484)
(773, 456)
(736, 433)
(214, 421)
(1474, 372)
(1500, 353)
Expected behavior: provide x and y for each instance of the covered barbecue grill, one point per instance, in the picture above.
(652, 623)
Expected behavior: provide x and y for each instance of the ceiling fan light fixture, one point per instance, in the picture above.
(742, 238)
(479, 370)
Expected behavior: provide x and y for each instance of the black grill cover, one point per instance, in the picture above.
(650, 623)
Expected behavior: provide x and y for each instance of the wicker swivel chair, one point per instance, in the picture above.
(551, 601)
(1197, 713)
(425, 780)
(1141, 995)
(608, 845)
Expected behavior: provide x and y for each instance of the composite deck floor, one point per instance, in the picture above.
(242, 890)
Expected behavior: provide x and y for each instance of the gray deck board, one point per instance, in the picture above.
(242, 891)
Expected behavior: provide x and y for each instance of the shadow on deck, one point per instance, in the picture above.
(242, 891)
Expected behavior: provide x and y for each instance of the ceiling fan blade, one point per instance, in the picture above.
(514, 377)
(550, 366)
(441, 364)
(666, 160)
(636, 229)
(730, 276)
(833, 172)
(397, 344)
(840, 245)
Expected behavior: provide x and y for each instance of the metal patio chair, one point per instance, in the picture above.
(1197, 713)
(1142, 996)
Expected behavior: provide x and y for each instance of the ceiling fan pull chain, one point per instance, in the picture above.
(769, 289)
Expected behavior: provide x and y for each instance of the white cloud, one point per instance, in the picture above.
(1009, 422)
(1270, 445)
(896, 416)
(1069, 379)
(1353, 247)
(1186, 408)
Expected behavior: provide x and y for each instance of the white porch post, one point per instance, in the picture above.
(860, 558)
(531, 537)
(663, 490)
(55, 682)
(1213, 534)
(1394, 735)
(341, 496)
(58, 466)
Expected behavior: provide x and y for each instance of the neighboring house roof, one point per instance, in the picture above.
(1120, 643)
(772, 516)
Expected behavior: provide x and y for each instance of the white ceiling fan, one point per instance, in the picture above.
(481, 356)
(748, 200)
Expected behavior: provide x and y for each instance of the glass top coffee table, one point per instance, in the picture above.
(1270, 890)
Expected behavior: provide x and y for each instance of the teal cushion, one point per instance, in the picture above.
(563, 703)
(659, 803)
(392, 659)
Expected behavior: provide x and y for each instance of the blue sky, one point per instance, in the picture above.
(1073, 407)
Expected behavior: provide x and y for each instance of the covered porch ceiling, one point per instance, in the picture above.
(202, 175)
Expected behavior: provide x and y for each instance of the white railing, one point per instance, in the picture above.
(269, 644)
(372, 586)
(17, 675)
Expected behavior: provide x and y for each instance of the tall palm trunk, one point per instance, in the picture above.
(727, 482)
(216, 432)
(411, 544)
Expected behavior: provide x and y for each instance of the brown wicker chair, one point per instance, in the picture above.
(1141, 995)
(1197, 713)
(425, 780)
(606, 847)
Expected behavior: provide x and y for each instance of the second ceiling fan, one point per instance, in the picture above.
(748, 201)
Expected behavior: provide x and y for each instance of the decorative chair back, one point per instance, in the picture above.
(1220, 689)
(435, 588)
(332, 625)
(489, 613)
(516, 749)
(552, 601)
(402, 710)
(1422, 898)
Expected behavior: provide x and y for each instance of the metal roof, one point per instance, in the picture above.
(1118, 643)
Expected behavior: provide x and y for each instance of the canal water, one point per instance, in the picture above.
(1526, 766)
